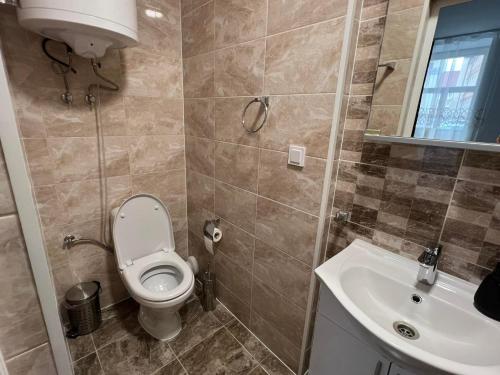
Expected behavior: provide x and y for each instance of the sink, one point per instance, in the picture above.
(436, 325)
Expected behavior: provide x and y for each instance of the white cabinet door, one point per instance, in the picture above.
(336, 352)
(397, 370)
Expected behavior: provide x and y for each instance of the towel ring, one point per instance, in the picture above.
(264, 101)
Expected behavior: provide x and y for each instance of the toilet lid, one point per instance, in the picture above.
(141, 226)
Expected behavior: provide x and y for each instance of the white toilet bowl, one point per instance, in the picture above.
(154, 274)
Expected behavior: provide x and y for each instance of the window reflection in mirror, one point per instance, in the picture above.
(460, 99)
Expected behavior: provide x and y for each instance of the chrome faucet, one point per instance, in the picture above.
(428, 262)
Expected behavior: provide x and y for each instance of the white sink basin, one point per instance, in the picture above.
(376, 287)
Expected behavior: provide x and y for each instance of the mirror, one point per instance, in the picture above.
(438, 80)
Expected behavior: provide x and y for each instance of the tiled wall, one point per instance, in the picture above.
(23, 337)
(235, 50)
(143, 138)
(405, 197)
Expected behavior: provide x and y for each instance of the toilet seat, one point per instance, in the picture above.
(132, 276)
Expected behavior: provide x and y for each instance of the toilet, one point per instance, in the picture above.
(154, 274)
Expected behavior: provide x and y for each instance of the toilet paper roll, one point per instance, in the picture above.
(217, 235)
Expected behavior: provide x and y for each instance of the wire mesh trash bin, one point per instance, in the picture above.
(83, 307)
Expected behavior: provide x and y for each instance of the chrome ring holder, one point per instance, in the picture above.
(264, 102)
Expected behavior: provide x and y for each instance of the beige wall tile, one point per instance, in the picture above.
(198, 31)
(291, 14)
(385, 119)
(282, 273)
(40, 162)
(169, 186)
(400, 34)
(199, 117)
(199, 76)
(22, 326)
(71, 158)
(398, 5)
(298, 187)
(237, 165)
(153, 116)
(160, 35)
(237, 245)
(69, 198)
(302, 120)
(287, 318)
(236, 206)
(284, 228)
(117, 156)
(37, 361)
(235, 278)
(149, 154)
(390, 87)
(305, 60)
(200, 203)
(239, 70)
(50, 209)
(238, 21)
(228, 125)
(140, 67)
(200, 155)
(277, 342)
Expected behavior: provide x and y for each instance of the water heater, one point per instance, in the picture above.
(90, 27)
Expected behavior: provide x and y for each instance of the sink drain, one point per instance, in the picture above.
(406, 330)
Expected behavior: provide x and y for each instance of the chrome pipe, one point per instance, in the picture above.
(71, 241)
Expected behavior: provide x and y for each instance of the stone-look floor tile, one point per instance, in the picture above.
(238, 21)
(197, 329)
(199, 117)
(198, 31)
(237, 165)
(80, 346)
(248, 340)
(282, 273)
(173, 368)
(88, 365)
(305, 60)
(276, 341)
(140, 66)
(303, 120)
(137, 353)
(153, 116)
(221, 353)
(200, 155)
(222, 313)
(299, 187)
(273, 366)
(33, 362)
(400, 34)
(199, 76)
(284, 228)
(258, 371)
(237, 279)
(239, 308)
(239, 70)
(237, 245)
(158, 153)
(286, 317)
(228, 121)
(285, 16)
(235, 205)
(118, 321)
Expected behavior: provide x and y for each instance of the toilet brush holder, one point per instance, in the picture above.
(208, 294)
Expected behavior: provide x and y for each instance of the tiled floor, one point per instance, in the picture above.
(212, 343)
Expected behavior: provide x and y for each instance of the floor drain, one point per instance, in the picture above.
(406, 330)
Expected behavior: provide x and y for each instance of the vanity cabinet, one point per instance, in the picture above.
(341, 348)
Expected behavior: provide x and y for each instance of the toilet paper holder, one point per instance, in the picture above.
(212, 231)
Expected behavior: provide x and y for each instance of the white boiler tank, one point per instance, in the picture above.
(90, 27)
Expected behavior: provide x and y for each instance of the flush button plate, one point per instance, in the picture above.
(296, 155)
